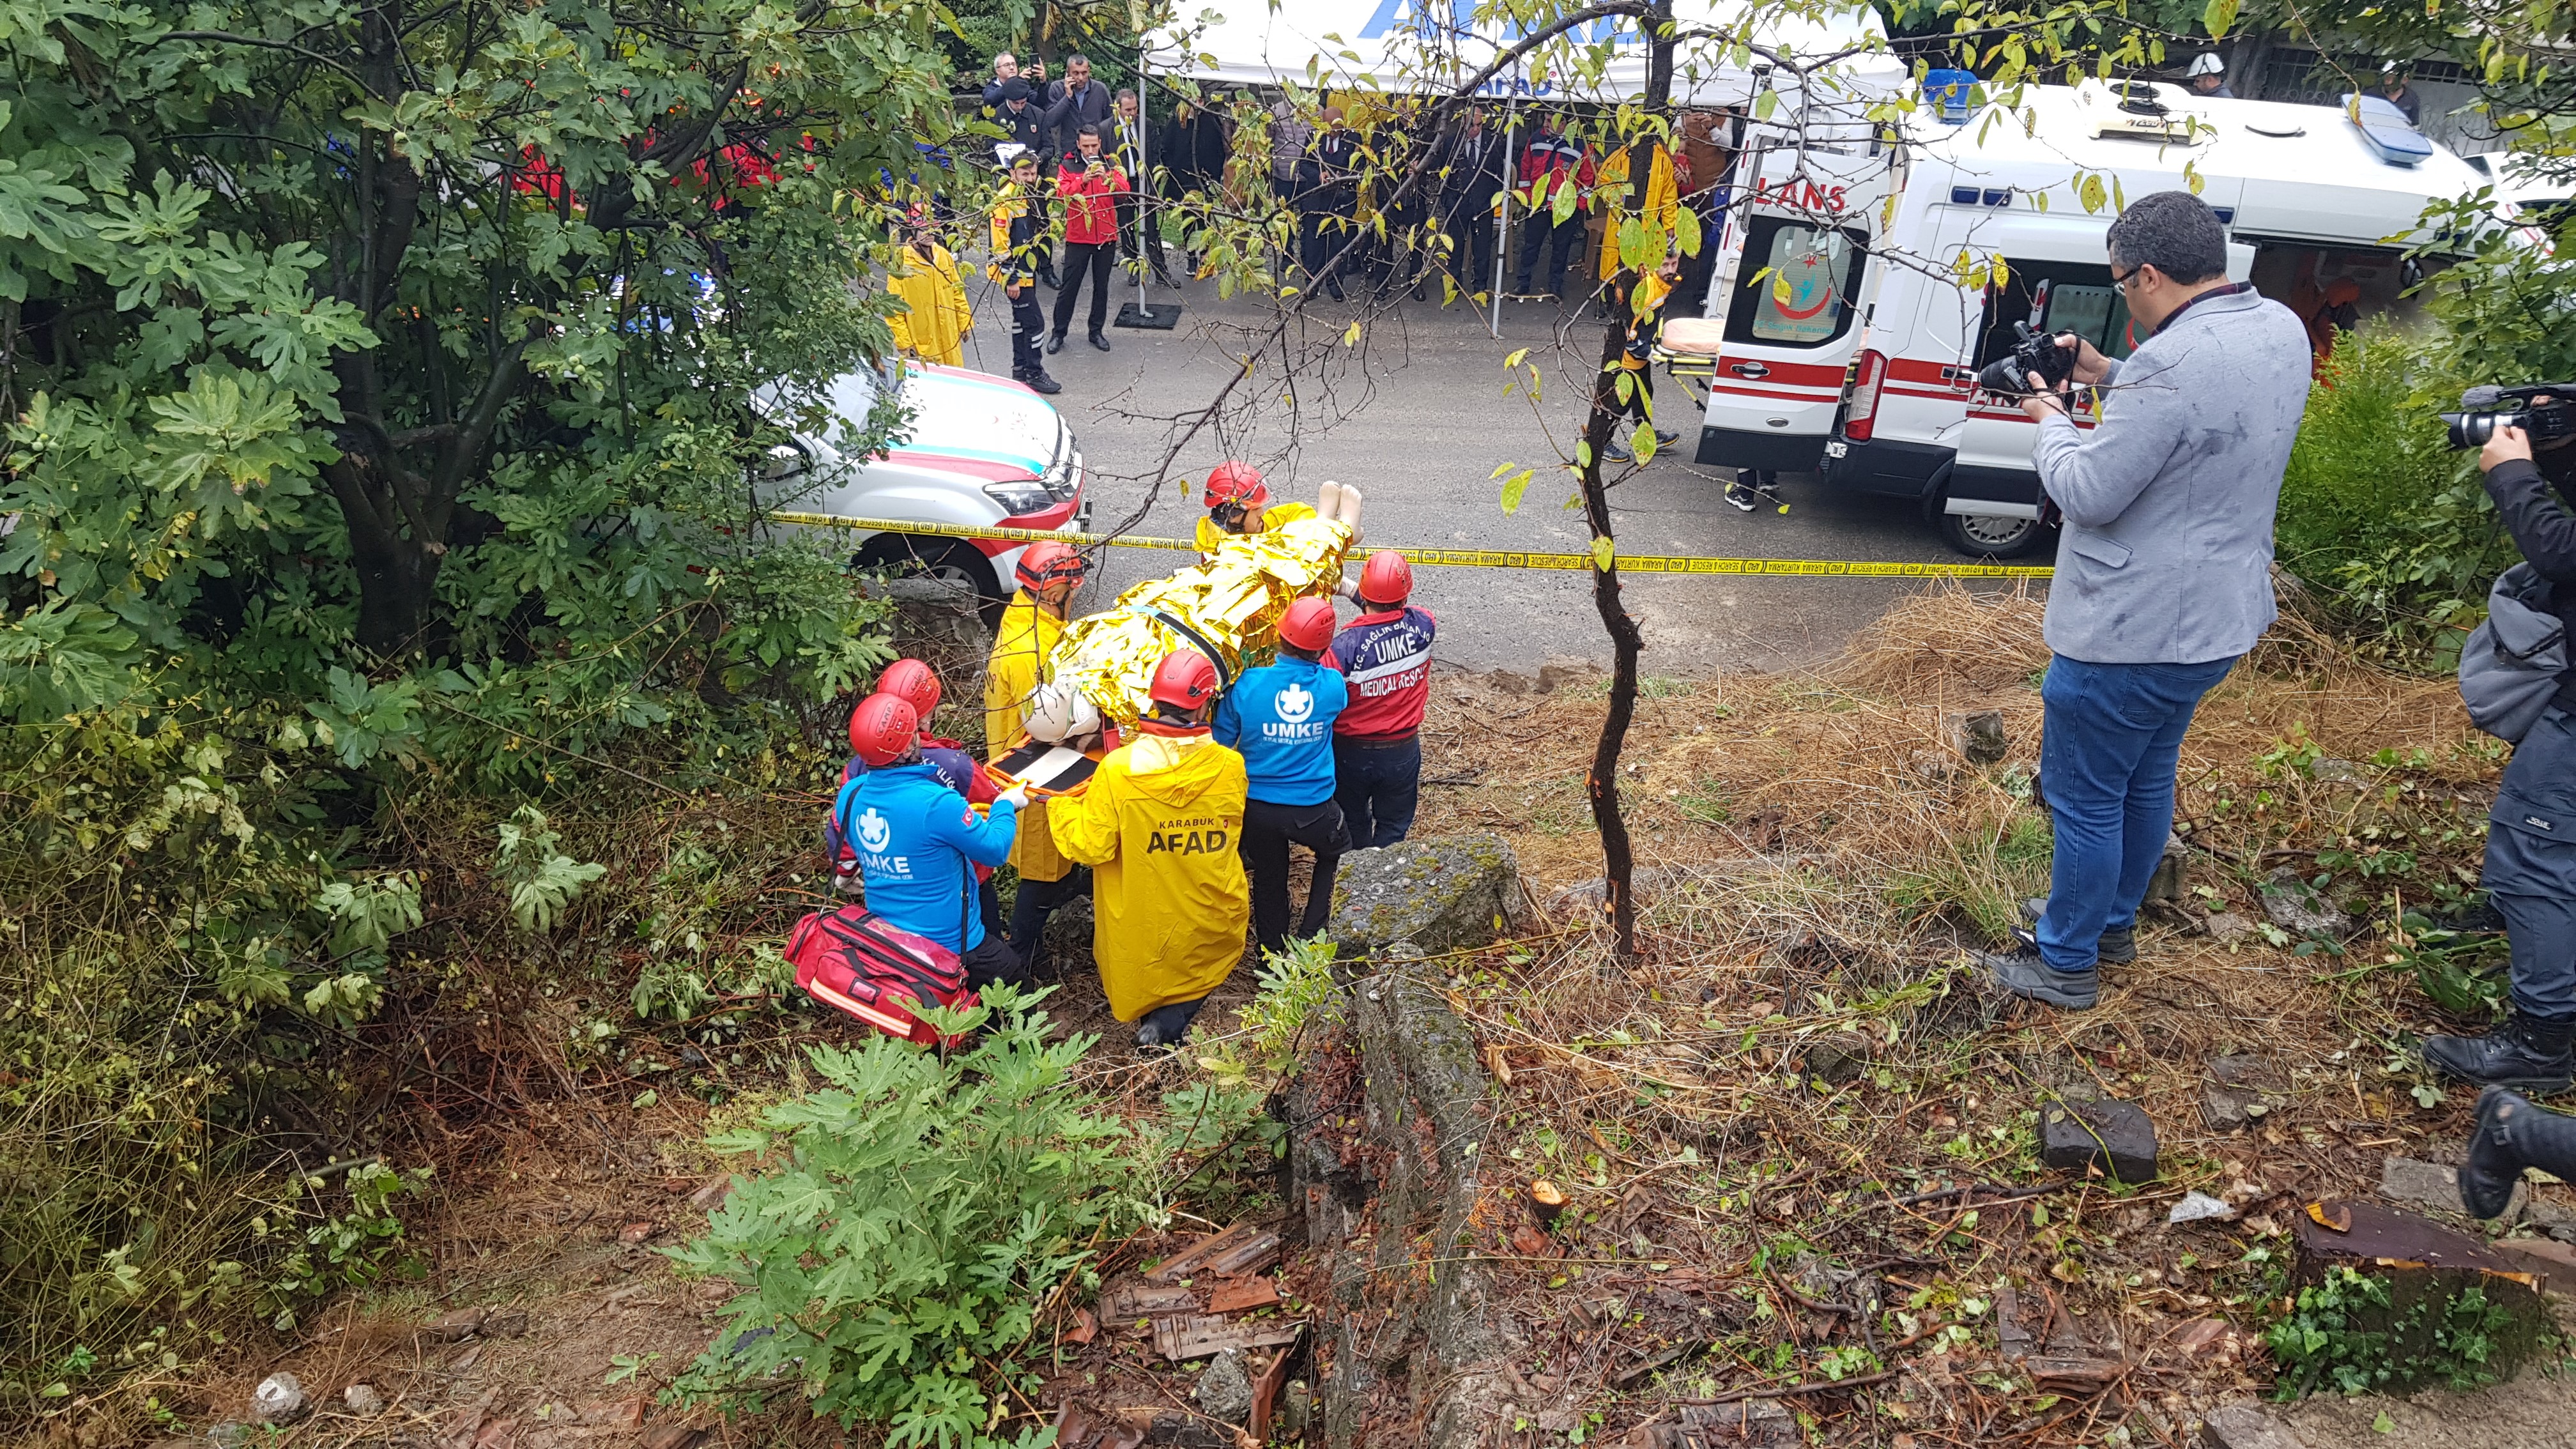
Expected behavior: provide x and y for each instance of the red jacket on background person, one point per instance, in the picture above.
(1556, 158)
(1090, 199)
(1385, 656)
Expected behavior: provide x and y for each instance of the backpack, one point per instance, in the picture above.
(2510, 668)
(856, 963)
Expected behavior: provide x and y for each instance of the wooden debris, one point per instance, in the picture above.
(1243, 1248)
(1127, 1300)
(1637, 1373)
(1080, 1426)
(1085, 1328)
(1196, 1336)
(1243, 1297)
(1547, 1201)
(1265, 1393)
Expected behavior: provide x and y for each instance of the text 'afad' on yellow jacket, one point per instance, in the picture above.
(1017, 667)
(1159, 827)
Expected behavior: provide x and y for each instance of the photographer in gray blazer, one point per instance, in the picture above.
(2164, 572)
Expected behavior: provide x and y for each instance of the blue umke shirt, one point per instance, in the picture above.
(1280, 717)
(915, 836)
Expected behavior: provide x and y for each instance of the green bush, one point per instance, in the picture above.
(2388, 528)
(906, 1223)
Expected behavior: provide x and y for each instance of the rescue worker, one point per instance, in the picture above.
(1385, 659)
(1238, 502)
(2208, 76)
(1049, 573)
(1663, 201)
(935, 320)
(1560, 162)
(1019, 242)
(2394, 90)
(1159, 826)
(918, 843)
(916, 684)
(1637, 358)
(1279, 717)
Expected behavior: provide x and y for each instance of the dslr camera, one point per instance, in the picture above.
(2037, 364)
(2485, 409)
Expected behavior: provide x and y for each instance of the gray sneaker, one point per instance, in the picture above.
(2118, 946)
(2022, 972)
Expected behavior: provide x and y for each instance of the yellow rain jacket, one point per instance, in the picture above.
(1663, 203)
(934, 321)
(1209, 535)
(1160, 827)
(1019, 664)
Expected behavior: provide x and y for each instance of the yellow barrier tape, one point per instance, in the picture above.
(1480, 557)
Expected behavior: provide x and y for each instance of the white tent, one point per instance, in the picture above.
(1412, 46)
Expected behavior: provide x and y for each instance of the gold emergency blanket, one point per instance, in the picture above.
(1232, 602)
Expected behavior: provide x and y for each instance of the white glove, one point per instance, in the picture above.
(1017, 797)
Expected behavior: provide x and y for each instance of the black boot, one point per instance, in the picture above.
(1039, 382)
(1099, 341)
(2527, 1054)
(2512, 1134)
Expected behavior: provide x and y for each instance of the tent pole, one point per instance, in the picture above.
(1503, 218)
(1145, 177)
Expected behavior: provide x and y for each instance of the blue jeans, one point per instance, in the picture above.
(1378, 787)
(2531, 866)
(2107, 748)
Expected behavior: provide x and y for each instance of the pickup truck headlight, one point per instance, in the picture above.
(1019, 496)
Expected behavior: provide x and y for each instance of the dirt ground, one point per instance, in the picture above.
(1791, 1105)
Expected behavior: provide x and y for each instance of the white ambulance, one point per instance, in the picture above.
(1847, 342)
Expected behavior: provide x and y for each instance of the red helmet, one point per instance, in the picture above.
(1387, 578)
(1308, 624)
(913, 682)
(1185, 679)
(1050, 562)
(882, 728)
(1239, 483)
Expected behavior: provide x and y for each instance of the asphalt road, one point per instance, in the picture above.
(1420, 427)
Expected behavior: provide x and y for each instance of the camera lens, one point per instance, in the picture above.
(2471, 430)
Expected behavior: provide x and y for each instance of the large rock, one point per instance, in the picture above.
(1391, 1105)
(2112, 1135)
(2296, 907)
(1444, 893)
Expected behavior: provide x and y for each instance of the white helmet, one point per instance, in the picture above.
(2206, 63)
(1059, 712)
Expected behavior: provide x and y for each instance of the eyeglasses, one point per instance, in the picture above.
(2121, 280)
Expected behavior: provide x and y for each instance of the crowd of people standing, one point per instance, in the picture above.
(1089, 173)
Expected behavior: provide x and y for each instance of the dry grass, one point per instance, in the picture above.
(1820, 862)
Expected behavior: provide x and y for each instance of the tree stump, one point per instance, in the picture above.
(2429, 1305)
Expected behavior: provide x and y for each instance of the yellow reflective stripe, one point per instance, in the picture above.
(1479, 557)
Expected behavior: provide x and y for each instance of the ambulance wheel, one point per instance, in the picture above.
(952, 566)
(1987, 535)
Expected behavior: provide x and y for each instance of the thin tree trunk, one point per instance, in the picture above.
(1618, 857)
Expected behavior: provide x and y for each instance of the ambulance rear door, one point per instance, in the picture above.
(1787, 289)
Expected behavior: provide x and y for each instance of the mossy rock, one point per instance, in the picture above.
(1443, 893)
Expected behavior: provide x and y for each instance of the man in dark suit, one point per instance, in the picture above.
(1135, 149)
(1073, 103)
(1476, 167)
(1328, 183)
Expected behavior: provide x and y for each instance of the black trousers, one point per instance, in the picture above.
(1080, 257)
(1471, 236)
(1268, 831)
(1038, 900)
(1541, 233)
(1318, 243)
(1028, 331)
(993, 960)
